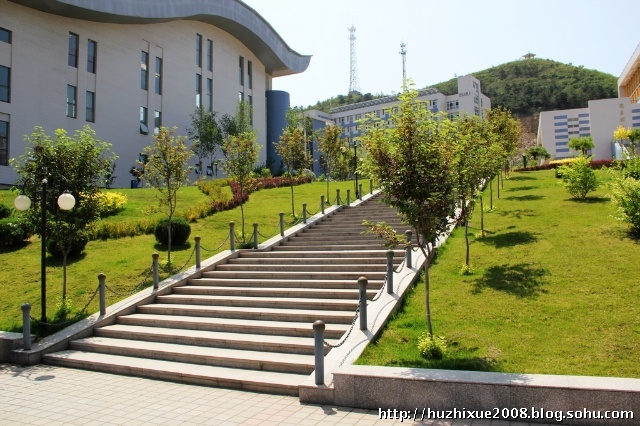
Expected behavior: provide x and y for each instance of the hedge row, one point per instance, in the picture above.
(595, 164)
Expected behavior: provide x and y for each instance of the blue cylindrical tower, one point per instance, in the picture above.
(277, 105)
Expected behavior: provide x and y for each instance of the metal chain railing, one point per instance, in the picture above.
(217, 248)
(273, 234)
(75, 318)
(137, 288)
(346, 336)
(173, 271)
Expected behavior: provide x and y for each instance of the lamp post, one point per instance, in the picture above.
(66, 201)
(355, 165)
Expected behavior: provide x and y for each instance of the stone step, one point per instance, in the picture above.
(311, 261)
(270, 314)
(285, 275)
(352, 294)
(334, 247)
(291, 283)
(233, 325)
(302, 267)
(261, 302)
(369, 241)
(344, 254)
(241, 341)
(261, 361)
(234, 378)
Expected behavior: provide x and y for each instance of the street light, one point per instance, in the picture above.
(66, 201)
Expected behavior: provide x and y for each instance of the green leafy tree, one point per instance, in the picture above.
(241, 153)
(582, 144)
(238, 123)
(579, 178)
(206, 135)
(329, 144)
(292, 149)
(77, 163)
(167, 171)
(539, 151)
(412, 162)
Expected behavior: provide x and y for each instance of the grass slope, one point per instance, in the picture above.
(555, 290)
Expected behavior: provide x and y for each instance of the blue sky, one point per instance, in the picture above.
(444, 38)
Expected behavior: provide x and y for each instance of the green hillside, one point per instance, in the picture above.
(525, 87)
(533, 85)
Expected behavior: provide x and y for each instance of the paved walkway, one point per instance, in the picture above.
(48, 395)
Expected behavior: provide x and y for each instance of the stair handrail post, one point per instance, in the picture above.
(322, 204)
(304, 213)
(360, 192)
(318, 350)
(362, 303)
(370, 186)
(408, 252)
(390, 255)
(198, 259)
(26, 326)
(348, 197)
(338, 197)
(282, 224)
(102, 278)
(255, 236)
(232, 236)
(156, 275)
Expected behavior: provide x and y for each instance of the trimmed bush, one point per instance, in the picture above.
(13, 231)
(4, 211)
(110, 203)
(180, 231)
(77, 246)
(579, 178)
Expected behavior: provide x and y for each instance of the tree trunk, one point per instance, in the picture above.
(481, 215)
(491, 194)
(293, 210)
(65, 253)
(498, 189)
(169, 243)
(427, 263)
(242, 210)
(466, 240)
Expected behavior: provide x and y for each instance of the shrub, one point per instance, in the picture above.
(432, 347)
(180, 231)
(13, 231)
(130, 228)
(110, 203)
(4, 211)
(625, 193)
(579, 178)
(77, 245)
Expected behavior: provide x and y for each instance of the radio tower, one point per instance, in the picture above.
(403, 52)
(354, 84)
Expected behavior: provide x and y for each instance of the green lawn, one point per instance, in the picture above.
(556, 290)
(125, 261)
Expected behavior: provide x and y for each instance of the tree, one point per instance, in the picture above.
(292, 149)
(77, 163)
(329, 144)
(206, 135)
(167, 171)
(579, 178)
(622, 134)
(582, 144)
(241, 152)
(240, 123)
(412, 162)
(539, 151)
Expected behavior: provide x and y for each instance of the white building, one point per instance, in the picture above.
(469, 100)
(598, 120)
(126, 67)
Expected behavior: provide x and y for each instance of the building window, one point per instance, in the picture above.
(144, 70)
(241, 71)
(452, 105)
(91, 107)
(250, 74)
(5, 35)
(4, 143)
(92, 54)
(240, 97)
(158, 76)
(209, 55)
(157, 122)
(144, 128)
(198, 90)
(209, 95)
(199, 50)
(73, 50)
(5, 84)
(72, 101)
(250, 100)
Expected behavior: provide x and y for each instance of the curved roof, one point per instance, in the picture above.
(232, 16)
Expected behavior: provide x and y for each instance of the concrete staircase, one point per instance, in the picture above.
(247, 323)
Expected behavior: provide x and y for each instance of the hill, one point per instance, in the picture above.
(525, 87)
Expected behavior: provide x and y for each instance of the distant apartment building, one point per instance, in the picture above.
(128, 67)
(598, 120)
(469, 100)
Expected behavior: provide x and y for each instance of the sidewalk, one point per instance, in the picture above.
(47, 395)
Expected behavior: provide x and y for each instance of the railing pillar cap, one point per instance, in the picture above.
(155, 255)
(318, 325)
(102, 276)
(197, 238)
(363, 280)
(25, 306)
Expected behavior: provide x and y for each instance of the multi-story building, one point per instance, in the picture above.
(127, 67)
(598, 120)
(469, 100)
